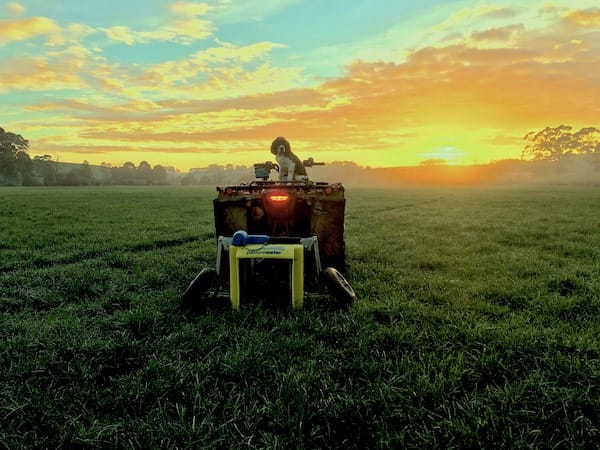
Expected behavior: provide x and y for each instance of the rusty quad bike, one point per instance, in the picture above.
(266, 216)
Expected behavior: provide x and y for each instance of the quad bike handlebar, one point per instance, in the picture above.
(311, 162)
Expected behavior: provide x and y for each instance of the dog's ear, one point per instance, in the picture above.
(275, 144)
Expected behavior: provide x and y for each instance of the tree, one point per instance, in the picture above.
(124, 174)
(23, 163)
(553, 144)
(85, 174)
(24, 167)
(144, 172)
(159, 175)
(45, 168)
(588, 141)
(14, 160)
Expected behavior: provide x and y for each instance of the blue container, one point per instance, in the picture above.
(241, 238)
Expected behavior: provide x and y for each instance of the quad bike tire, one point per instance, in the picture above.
(198, 289)
(338, 286)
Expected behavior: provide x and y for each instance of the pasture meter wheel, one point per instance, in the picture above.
(199, 289)
(338, 286)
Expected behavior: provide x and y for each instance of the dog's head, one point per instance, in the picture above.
(281, 146)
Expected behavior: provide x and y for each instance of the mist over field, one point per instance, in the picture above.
(506, 172)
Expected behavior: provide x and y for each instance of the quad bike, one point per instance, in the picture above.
(277, 212)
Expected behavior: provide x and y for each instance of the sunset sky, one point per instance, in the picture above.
(378, 82)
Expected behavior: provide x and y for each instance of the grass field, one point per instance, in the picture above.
(477, 326)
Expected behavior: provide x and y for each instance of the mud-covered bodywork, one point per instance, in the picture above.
(286, 209)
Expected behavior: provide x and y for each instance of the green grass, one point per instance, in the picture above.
(477, 326)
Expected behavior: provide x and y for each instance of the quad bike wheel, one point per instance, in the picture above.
(338, 286)
(198, 290)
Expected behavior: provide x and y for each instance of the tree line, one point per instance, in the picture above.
(550, 145)
(17, 168)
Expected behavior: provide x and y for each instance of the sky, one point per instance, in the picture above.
(378, 82)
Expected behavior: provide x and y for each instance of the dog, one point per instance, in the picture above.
(290, 166)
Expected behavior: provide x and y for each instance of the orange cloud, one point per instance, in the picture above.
(479, 87)
(14, 9)
(498, 35)
(120, 34)
(476, 13)
(224, 71)
(185, 29)
(190, 9)
(500, 13)
(32, 27)
(588, 18)
(37, 73)
(182, 31)
(20, 30)
(73, 67)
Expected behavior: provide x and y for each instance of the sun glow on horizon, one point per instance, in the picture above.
(447, 155)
